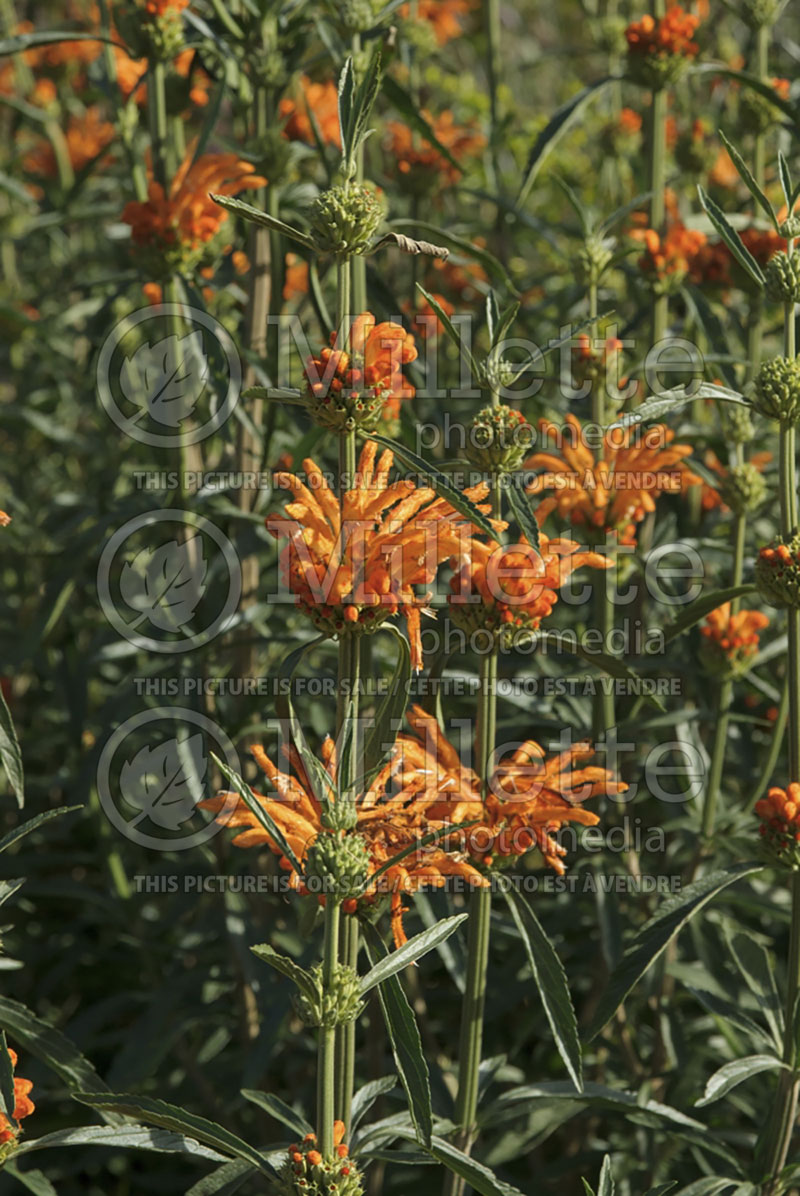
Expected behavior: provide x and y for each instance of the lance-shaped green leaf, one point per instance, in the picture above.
(522, 510)
(31, 1180)
(731, 238)
(276, 394)
(323, 786)
(479, 1178)
(389, 715)
(785, 176)
(672, 400)
(355, 107)
(753, 82)
(223, 1181)
(654, 938)
(555, 128)
(405, 1041)
(451, 330)
(365, 1098)
(10, 753)
(51, 1046)
(249, 798)
(181, 1121)
(287, 967)
(551, 981)
(278, 1109)
(19, 832)
(410, 952)
(439, 481)
(731, 1074)
(27, 41)
(703, 606)
(749, 181)
(127, 1136)
(263, 219)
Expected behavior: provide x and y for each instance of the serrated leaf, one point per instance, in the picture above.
(32, 1181)
(287, 967)
(223, 1181)
(410, 952)
(555, 128)
(522, 510)
(278, 1109)
(256, 216)
(450, 329)
(654, 938)
(551, 981)
(171, 1117)
(405, 1040)
(440, 483)
(606, 1185)
(731, 1074)
(703, 606)
(731, 238)
(672, 400)
(244, 791)
(480, 1178)
(10, 753)
(785, 176)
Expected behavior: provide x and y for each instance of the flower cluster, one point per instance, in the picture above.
(174, 227)
(730, 641)
(86, 137)
(777, 572)
(659, 48)
(779, 812)
(668, 258)
(352, 389)
(508, 591)
(352, 563)
(319, 101)
(23, 1107)
(421, 165)
(307, 1172)
(614, 491)
(442, 16)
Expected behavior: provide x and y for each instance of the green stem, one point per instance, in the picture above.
(494, 70)
(658, 153)
(157, 113)
(326, 1050)
(359, 262)
(604, 717)
(346, 1035)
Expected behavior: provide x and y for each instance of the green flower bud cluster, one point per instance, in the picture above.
(783, 278)
(269, 68)
(499, 439)
(159, 38)
(338, 862)
(743, 488)
(337, 1005)
(656, 71)
(345, 218)
(592, 259)
(345, 411)
(307, 1173)
(357, 16)
(777, 572)
(791, 226)
(776, 390)
(757, 13)
(738, 423)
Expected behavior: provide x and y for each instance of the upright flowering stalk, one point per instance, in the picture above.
(659, 47)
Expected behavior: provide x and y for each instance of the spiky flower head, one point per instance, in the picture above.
(499, 439)
(777, 572)
(738, 423)
(338, 863)
(779, 813)
(783, 278)
(345, 218)
(335, 1004)
(307, 1173)
(775, 391)
(757, 13)
(743, 488)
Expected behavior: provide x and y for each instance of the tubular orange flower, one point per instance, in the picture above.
(442, 15)
(614, 492)
(177, 225)
(23, 1105)
(510, 590)
(355, 562)
(731, 641)
(420, 163)
(86, 137)
(374, 364)
(391, 818)
(670, 35)
(669, 258)
(322, 100)
(779, 813)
